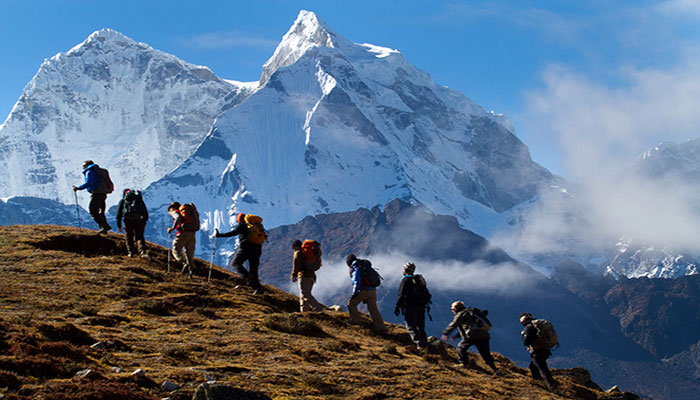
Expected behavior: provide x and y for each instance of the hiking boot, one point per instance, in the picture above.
(259, 290)
(130, 254)
(145, 256)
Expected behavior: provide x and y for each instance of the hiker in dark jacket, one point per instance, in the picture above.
(538, 356)
(184, 239)
(362, 293)
(247, 251)
(97, 205)
(412, 305)
(470, 329)
(306, 278)
(132, 208)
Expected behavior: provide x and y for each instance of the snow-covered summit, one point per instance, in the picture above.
(336, 126)
(132, 109)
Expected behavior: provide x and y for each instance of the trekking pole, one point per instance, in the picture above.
(170, 245)
(77, 209)
(211, 261)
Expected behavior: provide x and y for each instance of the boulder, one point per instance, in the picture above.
(207, 391)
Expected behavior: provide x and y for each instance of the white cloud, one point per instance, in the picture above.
(478, 277)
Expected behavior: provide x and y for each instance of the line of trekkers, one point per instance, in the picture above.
(413, 300)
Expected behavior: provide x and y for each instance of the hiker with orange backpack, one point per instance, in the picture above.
(251, 236)
(307, 260)
(186, 224)
(539, 336)
(99, 185)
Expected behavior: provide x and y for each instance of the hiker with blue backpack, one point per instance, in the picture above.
(365, 281)
(99, 185)
(413, 301)
(135, 214)
(473, 327)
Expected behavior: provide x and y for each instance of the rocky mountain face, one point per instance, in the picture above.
(34, 211)
(132, 109)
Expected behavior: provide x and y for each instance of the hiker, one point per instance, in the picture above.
(184, 238)
(473, 327)
(98, 189)
(251, 236)
(132, 208)
(413, 299)
(305, 273)
(363, 292)
(538, 344)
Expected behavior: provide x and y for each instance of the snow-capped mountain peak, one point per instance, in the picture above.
(308, 31)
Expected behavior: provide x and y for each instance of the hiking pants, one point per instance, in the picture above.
(97, 209)
(251, 253)
(134, 230)
(538, 365)
(369, 297)
(482, 345)
(188, 240)
(415, 325)
(307, 302)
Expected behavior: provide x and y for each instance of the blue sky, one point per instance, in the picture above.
(587, 84)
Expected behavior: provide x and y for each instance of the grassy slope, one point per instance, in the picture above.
(63, 289)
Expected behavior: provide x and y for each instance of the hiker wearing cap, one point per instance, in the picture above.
(363, 292)
(132, 208)
(251, 236)
(473, 327)
(412, 301)
(184, 238)
(98, 190)
(306, 278)
(540, 351)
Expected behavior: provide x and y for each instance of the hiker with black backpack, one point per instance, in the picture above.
(135, 214)
(539, 336)
(251, 236)
(473, 327)
(186, 225)
(99, 185)
(306, 261)
(413, 300)
(365, 281)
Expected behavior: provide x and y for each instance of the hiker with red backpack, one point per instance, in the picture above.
(365, 281)
(186, 224)
(539, 336)
(251, 236)
(473, 327)
(307, 260)
(132, 208)
(99, 185)
(413, 300)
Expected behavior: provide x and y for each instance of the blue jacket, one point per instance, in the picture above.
(357, 281)
(91, 178)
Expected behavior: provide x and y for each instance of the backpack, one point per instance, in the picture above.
(311, 252)
(370, 276)
(104, 183)
(420, 290)
(190, 217)
(134, 207)
(546, 335)
(480, 320)
(256, 230)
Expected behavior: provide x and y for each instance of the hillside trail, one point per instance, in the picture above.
(73, 301)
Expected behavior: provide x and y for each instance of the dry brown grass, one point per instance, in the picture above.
(62, 289)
